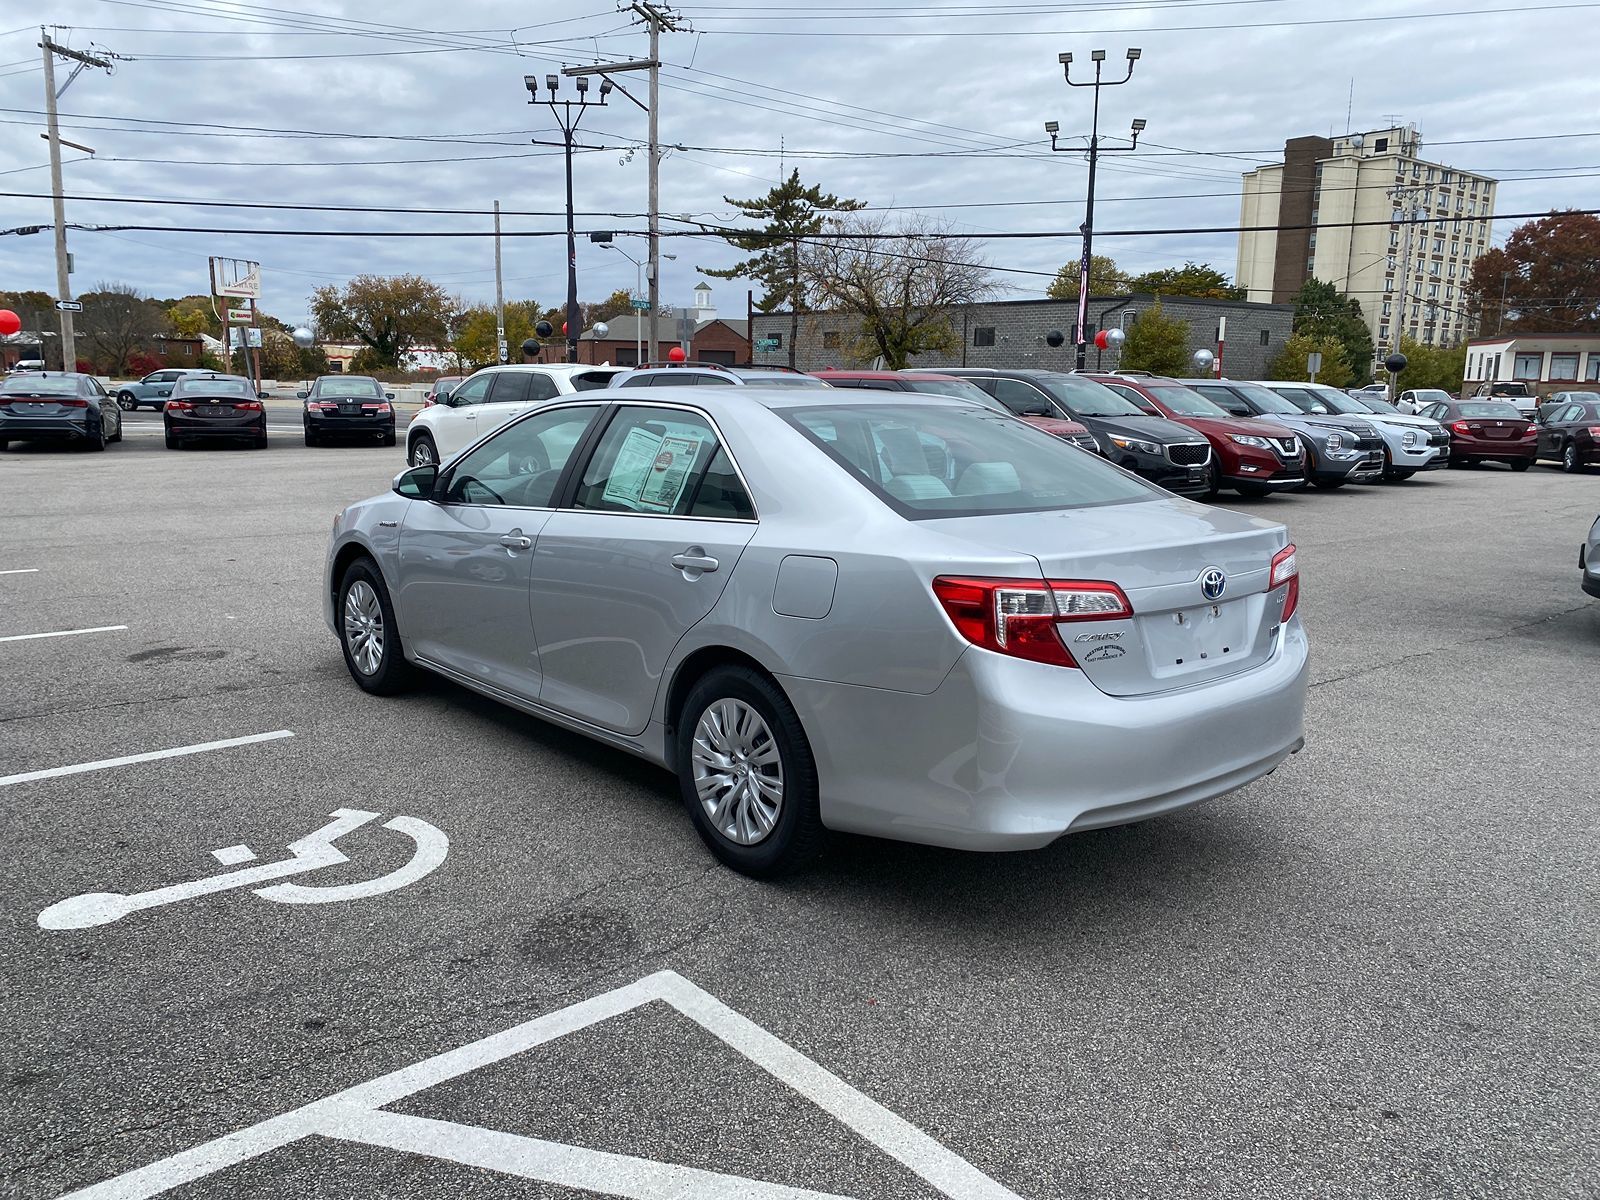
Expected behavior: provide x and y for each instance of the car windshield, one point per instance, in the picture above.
(1488, 408)
(1340, 402)
(354, 385)
(1307, 401)
(961, 461)
(960, 389)
(41, 385)
(1265, 399)
(1509, 389)
(1370, 402)
(1185, 402)
(1085, 397)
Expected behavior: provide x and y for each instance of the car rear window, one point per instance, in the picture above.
(213, 387)
(960, 461)
(41, 385)
(1488, 408)
(357, 385)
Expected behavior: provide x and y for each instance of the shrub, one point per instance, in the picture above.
(141, 364)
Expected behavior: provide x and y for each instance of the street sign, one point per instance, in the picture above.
(1313, 364)
(642, 305)
(766, 343)
(69, 305)
(240, 316)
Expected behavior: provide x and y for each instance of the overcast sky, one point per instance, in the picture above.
(901, 104)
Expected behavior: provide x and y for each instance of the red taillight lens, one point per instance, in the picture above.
(1594, 431)
(1286, 570)
(249, 405)
(1459, 426)
(1019, 616)
(179, 404)
(377, 408)
(69, 402)
(1530, 431)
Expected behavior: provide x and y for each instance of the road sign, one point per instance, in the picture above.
(1313, 364)
(69, 305)
(642, 305)
(766, 343)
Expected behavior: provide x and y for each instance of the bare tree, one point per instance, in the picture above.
(901, 279)
(118, 320)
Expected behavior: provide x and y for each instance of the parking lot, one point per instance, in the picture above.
(1372, 973)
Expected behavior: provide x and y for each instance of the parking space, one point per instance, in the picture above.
(1370, 973)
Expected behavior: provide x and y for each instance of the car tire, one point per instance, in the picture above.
(4, 442)
(117, 436)
(1329, 485)
(1400, 476)
(173, 443)
(379, 666)
(126, 402)
(1213, 483)
(1569, 459)
(1520, 464)
(756, 719)
(311, 438)
(422, 452)
(261, 442)
(1253, 491)
(96, 441)
(388, 439)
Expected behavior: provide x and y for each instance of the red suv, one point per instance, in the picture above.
(1254, 458)
(963, 389)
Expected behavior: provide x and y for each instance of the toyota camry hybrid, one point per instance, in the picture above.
(828, 609)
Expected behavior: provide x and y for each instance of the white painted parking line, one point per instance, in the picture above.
(21, 571)
(355, 1115)
(151, 756)
(31, 637)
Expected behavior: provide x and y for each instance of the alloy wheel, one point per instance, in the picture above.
(1569, 458)
(363, 627)
(738, 772)
(422, 453)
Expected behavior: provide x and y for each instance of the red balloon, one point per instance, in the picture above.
(1101, 341)
(563, 327)
(676, 354)
(9, 322)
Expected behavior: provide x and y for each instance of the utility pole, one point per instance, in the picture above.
(69, 337)
(502, 351)
(1053, 128)
(1405, 195)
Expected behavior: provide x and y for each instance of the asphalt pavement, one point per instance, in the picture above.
(1372, 973)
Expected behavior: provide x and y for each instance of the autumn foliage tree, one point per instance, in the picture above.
(388, 315)
(1197, 280)
(1105, 278)
(1545, 280)
(1156, 343)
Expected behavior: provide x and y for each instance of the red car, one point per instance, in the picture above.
(1486, 431)
(1254, 458)
(948, 385)
(441, 385)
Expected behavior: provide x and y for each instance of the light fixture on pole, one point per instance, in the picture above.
(1053, 128)
(567, 114)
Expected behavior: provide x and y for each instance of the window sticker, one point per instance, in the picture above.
(652, 470)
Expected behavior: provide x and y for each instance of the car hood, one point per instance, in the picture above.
(1151, 429)
(1408, 421)
(1231, 427)
(1330, 422)
(1056, 426)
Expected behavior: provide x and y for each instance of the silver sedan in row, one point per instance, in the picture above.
(832, 610)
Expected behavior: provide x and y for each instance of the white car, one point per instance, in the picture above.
(1414, 400)
(490, 398)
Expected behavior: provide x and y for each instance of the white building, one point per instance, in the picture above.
(1337, 207)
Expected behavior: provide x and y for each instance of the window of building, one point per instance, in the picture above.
(1388, 284)
(1444, 177)
(1381, 146)
(1388, 307)
(1438, 245)
(1266, 340)
(1593, 375)
(1314, 214)
(830, 338)
(983, 335)
(1416, 170)
(1311, 264)
(776, 339)
(1433, 291)
(1433, 269)
(1313, 242)
(1527, 366)
(1394, 238)
(1127, 318)
(1383, 332)
(1564, 366)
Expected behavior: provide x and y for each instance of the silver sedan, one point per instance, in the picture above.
(824, 609)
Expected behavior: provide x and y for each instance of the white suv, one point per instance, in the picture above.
(488, 399)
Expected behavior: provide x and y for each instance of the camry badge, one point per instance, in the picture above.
(1213, 583)
(1098, 637)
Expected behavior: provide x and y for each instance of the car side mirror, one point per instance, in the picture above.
(302, 395)
(261, 395)
(443, 396)
(1320, 408)
(1036, 410)
(417, 483)
(388, 395)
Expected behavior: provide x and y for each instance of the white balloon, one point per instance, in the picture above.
(1116, 337)
(1204, 358)
(601, 329)
(304, 338)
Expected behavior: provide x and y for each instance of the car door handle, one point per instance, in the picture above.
(516, 541)
(694, 562)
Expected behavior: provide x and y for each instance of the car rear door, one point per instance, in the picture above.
(658, 518)
(511, 394)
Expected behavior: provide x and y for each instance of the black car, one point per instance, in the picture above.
(348, 406)
(58, 406)
(1175, 457)
(209, 407)
(1570, 433)
(1338, 449)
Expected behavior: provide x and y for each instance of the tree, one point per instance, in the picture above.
(1156, 343)
(1548, 274)
(117, 320)
(1442, 367)
(1291, 360)
(193, 315)
(790, 212)
(901, 281)
(614, 305)
(474, 340)
(1321, 312)
(388, 315)
(1198, 280)
(1104, 277)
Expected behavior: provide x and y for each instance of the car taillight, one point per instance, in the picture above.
(1594, 431)
(1460, 427)
(70, 402)
(1019, 616)
(179, 404)
(325, 405)
(1286, 570)
(249, 405)
(378, 408)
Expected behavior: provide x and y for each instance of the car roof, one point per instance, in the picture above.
(554, 368)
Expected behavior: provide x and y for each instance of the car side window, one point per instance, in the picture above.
(1224, 397)
(588, 381)
(520, 466)
(704, 380)
(1572, 412)
(95, 388)
(662, 462)
(1019, 396)
(1136, 398)
(649, 379)
(473, 391)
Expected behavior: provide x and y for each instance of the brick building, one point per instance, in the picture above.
(705, 336)
(1011, 333)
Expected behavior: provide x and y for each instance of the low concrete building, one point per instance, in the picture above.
(1550, 362)
(1011, 333)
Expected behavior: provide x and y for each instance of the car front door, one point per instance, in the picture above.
(511, 394)
(656, 523)
(456, 425)
(465, 556)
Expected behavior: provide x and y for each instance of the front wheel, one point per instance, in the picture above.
(747, 773)
(423, 452)
(1213, 483)
(1253, 490)
(367, 632)
(1328, 485)
(1401, 476)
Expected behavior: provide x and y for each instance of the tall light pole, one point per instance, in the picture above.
(638, 293)
(567, 114)
(1053, 128)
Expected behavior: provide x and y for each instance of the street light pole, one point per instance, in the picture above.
(567, 114)
(1053, 128)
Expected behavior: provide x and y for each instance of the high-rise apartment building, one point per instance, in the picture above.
(1336, 209)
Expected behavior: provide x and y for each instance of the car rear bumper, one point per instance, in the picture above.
(221, 428)
(333, 426)
(1504, 449)
(1009, 755)
(1591, 584)
(47, 429)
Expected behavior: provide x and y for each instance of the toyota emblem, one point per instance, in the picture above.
(1213, 583)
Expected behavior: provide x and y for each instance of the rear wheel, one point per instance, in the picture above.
(388, 438)
(261, 441)
(97, 439)
(423, 451)
(1569, 459)
(367, 631)
(311, 438)
(747, 773)
(173, 443)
